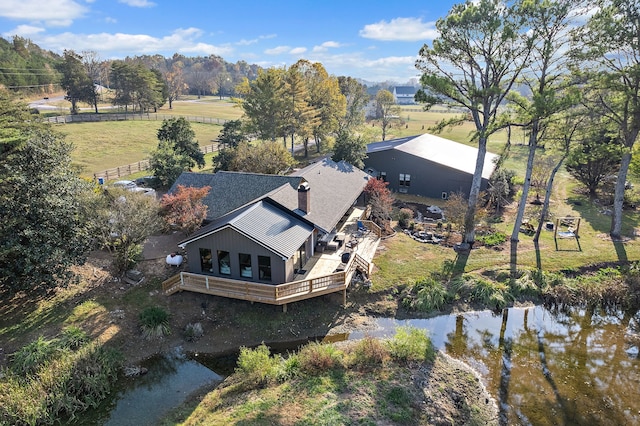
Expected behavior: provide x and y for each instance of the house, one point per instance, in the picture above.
(427, 165)
(404, 95)
(264, 228)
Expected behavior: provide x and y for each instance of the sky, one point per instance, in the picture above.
(375, 40)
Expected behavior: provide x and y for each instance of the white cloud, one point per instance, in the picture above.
(278, 50)
(52, 12)
(400, 29)
(110, 20)
(244, 42)
(23, 31)
(298, 50)
(119, 44)
(137, 3)
(326, 46)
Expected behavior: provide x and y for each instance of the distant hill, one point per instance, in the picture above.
(26, 67)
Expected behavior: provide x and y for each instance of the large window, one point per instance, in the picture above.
(405, 179)
(224, 262)
(245, 265)
(264, 268)
(206, 264)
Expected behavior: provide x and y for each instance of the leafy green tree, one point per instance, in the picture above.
(44, 227)
(473, 64)
(609, 61)
(178, 132)
(350, 148)
(166, 164)
(597, 157)
(387, 112)
(262, 101)
(76, 82)
(232, 134)
(15, 123)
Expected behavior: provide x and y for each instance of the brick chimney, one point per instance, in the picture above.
(304, 198)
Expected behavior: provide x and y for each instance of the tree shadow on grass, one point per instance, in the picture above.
(621, 252)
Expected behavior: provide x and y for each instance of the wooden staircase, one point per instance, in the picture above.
(172, 285)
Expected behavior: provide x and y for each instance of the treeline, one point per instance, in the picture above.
(26, 67)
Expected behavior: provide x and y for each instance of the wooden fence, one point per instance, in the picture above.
(90, 118)
(121, 171)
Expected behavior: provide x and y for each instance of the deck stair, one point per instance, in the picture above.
(172, 285)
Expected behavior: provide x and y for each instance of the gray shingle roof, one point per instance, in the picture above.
(232, 190)
(279, 231)
(333, 188)
(439, 150)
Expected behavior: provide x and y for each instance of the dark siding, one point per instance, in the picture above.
(428, 179)
(235, 243)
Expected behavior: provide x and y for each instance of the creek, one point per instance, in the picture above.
(564, 367)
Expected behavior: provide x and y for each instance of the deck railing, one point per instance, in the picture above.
(280, 294)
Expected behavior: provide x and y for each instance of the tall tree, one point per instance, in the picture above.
(174, 79)
(43, 226)
(545, 79)
(387, 112)
(610, 64)
(262, 101)
(95, 70)
(302, 117)
(325, 98)
(473, 64)
(356, 97)
(76, 82)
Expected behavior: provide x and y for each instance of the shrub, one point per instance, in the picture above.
(73, 338)
(404, 216)
(154, 322)
(257, 365)
(370, 352)
(411, 344)
(431, 295)
(193, 332)
(64, 383)
(317, 358)
(480, 290)
(493, 239)
(32, 356)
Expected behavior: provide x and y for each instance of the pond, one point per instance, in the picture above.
(542, 367)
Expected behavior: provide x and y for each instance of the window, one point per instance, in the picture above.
(264, 268)
(206, 264)
(224, 262)
(405, 179)
(245, 265)
(383, 176)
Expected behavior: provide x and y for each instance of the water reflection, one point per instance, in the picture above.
(144, 400)
(544, 368)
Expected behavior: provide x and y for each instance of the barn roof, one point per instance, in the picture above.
(439, 150)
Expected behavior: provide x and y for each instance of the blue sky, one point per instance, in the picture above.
(374, 40)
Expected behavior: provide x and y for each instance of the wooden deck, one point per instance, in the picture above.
(280, 294)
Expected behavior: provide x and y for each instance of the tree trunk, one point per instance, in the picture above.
(469, 217)
(292, 151)
(547, 197)
(618, 199)
(515, 233)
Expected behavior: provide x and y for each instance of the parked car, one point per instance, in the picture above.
(126, 184)
(148, 181)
